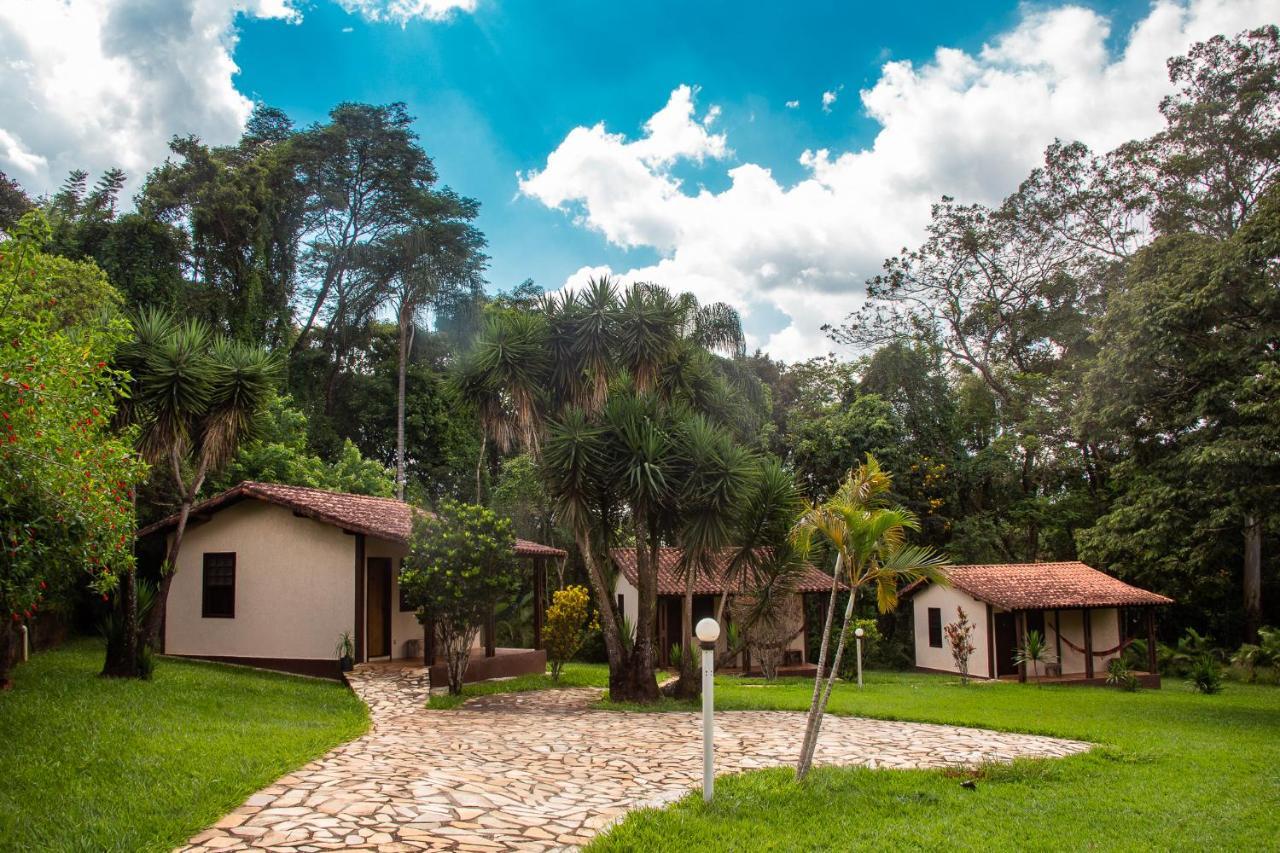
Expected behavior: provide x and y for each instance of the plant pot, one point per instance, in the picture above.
(346, 663)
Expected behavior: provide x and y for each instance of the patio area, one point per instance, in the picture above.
(543, 771)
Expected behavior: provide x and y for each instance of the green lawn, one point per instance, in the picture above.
(97, 764)
(573, 675)
(1174, 769)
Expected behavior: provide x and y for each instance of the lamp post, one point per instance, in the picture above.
(857, 634)
(707, 632)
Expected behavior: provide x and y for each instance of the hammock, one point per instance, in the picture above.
(1098, 654)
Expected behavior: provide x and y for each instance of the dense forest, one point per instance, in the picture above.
(1089, 369)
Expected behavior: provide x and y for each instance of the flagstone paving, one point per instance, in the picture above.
(542, 771)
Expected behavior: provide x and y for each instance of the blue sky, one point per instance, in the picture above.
(496, 90)
(684, 143)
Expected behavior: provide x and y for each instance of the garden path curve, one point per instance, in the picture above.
(542, 771)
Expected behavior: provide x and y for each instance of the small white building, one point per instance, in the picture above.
(1087, 618)
(709, 588)
(272, 575)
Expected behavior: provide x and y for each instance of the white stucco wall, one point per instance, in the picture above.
(630, 598)
(295, 586)
(947, 599)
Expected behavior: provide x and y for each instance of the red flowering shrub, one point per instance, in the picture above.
(66, 482)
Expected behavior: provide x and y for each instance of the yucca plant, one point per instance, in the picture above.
(195, 396)
(1033, 652)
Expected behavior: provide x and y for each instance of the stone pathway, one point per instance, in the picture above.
(541, 771)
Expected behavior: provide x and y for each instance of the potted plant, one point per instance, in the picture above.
(346, 651)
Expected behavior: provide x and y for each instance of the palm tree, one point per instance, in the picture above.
(195, 397)
(868, 535)
(600, 385)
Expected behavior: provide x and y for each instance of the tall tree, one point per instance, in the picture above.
(439, 254)
(363, 173)
(1192, 382)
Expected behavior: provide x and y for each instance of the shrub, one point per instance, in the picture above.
(870, 638)
(1206, 675)
(959, 636)
(1119, 675)
(461, 562)
(568, 622)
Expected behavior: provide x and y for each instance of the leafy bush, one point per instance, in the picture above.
(870, 638)
(461, 563)
(1206, 675)
(568, 621)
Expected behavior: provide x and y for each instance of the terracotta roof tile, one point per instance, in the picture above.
(385, 518)
(671, 582)
(1021, 586)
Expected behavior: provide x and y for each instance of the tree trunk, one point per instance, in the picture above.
(609, 619)
(155, 619)
(484, 443)
(6, 652)
(1252, 578)
(638, 683)
(406, 341)
(122, 658)
(815, 715)
(689, 686)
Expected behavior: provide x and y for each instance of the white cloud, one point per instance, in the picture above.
(791, 105)
(969, 125)
(98, 83)
(829, 99)
(403, 11)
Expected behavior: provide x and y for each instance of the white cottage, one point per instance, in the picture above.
(1086, 616)
(271, 575)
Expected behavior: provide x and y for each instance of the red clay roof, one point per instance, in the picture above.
(384, 518)
(671, 582)
(1023, 586)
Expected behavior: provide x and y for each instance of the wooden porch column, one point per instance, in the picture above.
(804, 629)
(360, 614)
(991, 642)
(429, 642)
(490, 631)
(664, 647)
(539, 599)
(1151, 640)
(1088, 642)
(1020, 628)
(1057, 635)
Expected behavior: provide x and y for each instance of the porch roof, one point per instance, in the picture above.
(671, 581)
(385, 518)
(1036, 586)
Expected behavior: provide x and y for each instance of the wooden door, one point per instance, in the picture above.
(378, 613)
(1006, 643)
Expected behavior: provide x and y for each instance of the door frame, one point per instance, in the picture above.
(1005, 628)
(384, 565)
